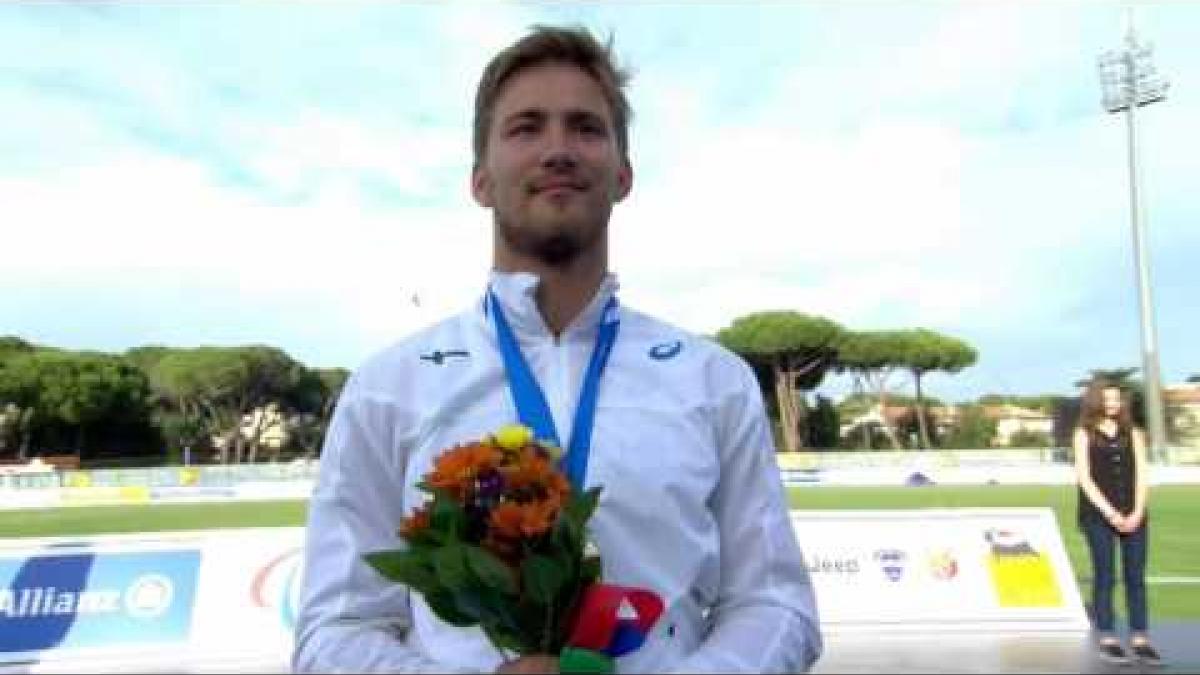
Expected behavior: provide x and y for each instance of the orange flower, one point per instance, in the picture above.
(456, 469)
(539, 517)
(511, 520)
(559, 487)
(505, 549)
(506, 520)
(417, 522)
(530, 470)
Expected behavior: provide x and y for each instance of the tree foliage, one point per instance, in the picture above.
(215, 388)
(76, 391)
(824, 425)
(1027, 438)
(796, 348)
(315, 398)
(923, 351)
(97, 404)
(11, 345)
(1122, 377)
(871, 357)
(974, 430)
(1046, 403)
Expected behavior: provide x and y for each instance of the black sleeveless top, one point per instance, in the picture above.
(1114, 471)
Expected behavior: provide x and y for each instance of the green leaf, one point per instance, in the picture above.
(574, 660)
(446, 608)
(543, 578)
(505, 639)
(566, 558)
(593, 568)
(490, 571)
(427, 538)
(406, 567)
(567, 535)
(450, 564)
(489, 607)
(447, 516)
(581, 507)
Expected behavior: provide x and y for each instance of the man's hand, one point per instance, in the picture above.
(532, 664)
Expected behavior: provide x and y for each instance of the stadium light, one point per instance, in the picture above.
(1130, 81)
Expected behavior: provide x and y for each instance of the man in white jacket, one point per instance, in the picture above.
(670, 424)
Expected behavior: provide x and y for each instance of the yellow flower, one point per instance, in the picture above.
(513, 437)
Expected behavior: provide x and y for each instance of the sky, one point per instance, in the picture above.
(296, 174)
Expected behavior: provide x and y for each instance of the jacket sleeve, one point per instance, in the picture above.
(350, 618)
(765, 616)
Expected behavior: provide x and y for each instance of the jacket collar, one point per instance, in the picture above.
(516, 292)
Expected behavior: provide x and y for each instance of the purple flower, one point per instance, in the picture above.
(489, 486)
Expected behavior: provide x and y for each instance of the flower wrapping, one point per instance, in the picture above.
(501, 544)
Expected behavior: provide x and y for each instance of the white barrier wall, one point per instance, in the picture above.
(200, 601)
(47, 498)
(940, 569)
(1057, 474)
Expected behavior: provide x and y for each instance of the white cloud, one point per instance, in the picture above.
(158, 218)
(320, 145)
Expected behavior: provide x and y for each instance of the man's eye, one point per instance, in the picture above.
(522, 129)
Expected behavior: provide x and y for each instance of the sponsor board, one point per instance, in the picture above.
(74, 599)
(207, 597)
(252, 586)
(172, 598)
(96, 496)
(921, 569)
(192, 494)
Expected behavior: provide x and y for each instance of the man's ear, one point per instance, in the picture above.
(624, 181)
(481, 187)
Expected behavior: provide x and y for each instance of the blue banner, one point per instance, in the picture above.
(86, 599)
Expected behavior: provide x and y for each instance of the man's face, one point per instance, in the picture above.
(551, 169)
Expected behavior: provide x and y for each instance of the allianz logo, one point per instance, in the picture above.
(146, 597)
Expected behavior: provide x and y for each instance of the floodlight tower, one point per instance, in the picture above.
(1130, 82)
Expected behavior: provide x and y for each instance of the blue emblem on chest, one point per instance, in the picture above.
(666, 350)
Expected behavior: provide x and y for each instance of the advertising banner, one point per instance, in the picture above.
(189, 599)
(251, 582)
(207, 600)
(940, 569)
(70, 598)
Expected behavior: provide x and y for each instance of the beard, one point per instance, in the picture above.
(556, 246)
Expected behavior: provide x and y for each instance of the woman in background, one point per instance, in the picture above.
(1111, 468)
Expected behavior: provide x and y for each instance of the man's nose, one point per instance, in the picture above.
(560, 152)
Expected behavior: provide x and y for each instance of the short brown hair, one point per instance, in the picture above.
(573, 46)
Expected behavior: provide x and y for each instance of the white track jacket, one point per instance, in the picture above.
(693, 507)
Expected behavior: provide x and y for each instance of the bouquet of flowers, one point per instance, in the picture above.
(502, 545)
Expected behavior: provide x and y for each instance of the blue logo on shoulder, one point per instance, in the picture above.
(666, 350)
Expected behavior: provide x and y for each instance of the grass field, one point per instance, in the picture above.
(1174, 539)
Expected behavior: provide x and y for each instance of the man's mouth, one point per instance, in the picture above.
(555, 186)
